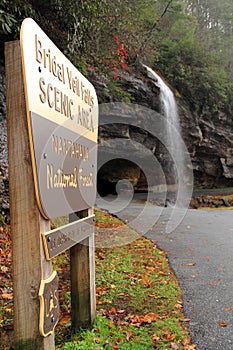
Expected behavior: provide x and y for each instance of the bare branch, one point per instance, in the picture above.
(166, 8)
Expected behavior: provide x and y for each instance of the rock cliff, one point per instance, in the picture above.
(208, 138)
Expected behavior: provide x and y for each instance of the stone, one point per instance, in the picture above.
(227, 170)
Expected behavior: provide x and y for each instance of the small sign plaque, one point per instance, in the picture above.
(62, 113)
(49, 304)
(58, 240)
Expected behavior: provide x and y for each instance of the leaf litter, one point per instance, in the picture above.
(136, 293)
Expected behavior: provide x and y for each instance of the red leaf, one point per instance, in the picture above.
(7, 296)
(97, 340)
(228, 309)
(129, 335)
(112, 310)
(213, 283)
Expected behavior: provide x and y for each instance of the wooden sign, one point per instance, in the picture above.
(49, 304)
(62, 114)
(52, 134)
(58, 240)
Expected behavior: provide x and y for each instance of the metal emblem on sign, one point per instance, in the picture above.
(62, 114)
(49, 304)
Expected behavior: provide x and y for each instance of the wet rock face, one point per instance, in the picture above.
(213, 154)
(208, 139)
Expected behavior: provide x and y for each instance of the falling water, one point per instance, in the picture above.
(173, 141)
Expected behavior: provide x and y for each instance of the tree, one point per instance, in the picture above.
(189, 41)
(194, 53)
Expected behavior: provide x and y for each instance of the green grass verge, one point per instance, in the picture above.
(138, 298)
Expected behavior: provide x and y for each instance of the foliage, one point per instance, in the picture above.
(188, 41)
(11, 15)
(190, 54)
(119, 95)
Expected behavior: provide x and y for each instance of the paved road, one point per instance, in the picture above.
(200, 251)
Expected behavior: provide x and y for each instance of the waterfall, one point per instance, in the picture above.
(173, 141)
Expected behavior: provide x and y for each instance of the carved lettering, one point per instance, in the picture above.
(62, 146)
(85, 180)
(56, 99)
(85, 118)
(58, 179)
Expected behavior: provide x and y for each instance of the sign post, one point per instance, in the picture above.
(52, 117)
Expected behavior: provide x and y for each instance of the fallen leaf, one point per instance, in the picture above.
(155, 338)
(128, 335)
(137, 320)
(112, 310)
(150, 268)
(161, 273)
(7, 296)
(99, 256)
(228, 309)
(99, 290)
(164, 281)
(146, 281)
(213, 283)
(108, 301)
(120, 311)
(8, 310)
(174, 346)
(190, 347)
(122, 294)
(185, 341)
(222, 324)
(4, 269)
(149, 318)
(170, 337)
(65, 319)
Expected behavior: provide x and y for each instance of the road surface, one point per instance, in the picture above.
(199, 246)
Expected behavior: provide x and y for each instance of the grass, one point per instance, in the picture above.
(139, 304)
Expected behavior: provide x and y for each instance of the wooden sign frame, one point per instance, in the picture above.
(31, 268)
